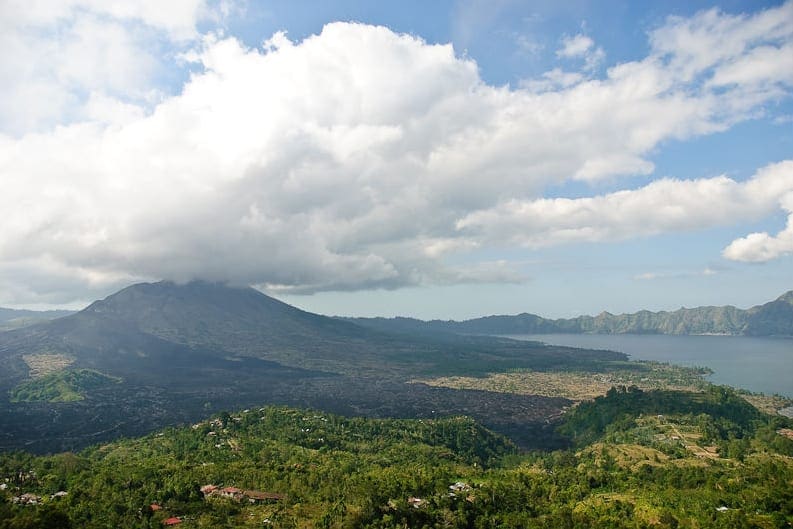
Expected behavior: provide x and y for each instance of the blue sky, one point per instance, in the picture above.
(433, 159)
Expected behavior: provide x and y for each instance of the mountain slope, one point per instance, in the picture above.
(771, 319)
(216, 317)
(148, 321)
(180, 350)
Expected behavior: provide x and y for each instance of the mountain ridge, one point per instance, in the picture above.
(774, 318)
(15, 318)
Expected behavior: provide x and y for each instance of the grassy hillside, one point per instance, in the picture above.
(61, 386)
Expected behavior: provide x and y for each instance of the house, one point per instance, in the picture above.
(27, 499)
(722, 509)
(172, 521)
(59, 494)
(459, 487)
(154, 507)
(416, 502)
(231, 492)
(785, 432)
(207, 490)
(256, 495)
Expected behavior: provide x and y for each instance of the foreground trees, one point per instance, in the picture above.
(642, 459)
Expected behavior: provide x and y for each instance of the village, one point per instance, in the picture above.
(215, 492)
(233, 493)
(212, 492)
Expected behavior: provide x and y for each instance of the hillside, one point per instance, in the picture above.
(180, 350)
(770, 319)
(646, 460)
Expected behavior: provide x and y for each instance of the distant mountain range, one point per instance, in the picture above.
(770, 319)
(14, 319)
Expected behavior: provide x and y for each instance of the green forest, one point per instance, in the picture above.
(636, 459)
(61, 386)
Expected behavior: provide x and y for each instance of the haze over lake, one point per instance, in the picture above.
(757, 364)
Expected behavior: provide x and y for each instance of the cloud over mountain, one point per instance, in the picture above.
(360, 158)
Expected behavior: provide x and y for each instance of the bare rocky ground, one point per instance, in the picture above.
(136, 410)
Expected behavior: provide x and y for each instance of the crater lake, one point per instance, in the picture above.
(762, 365)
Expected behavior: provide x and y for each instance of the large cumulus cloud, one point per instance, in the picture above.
(363, 158)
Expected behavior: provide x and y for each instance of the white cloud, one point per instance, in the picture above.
(648, 276)
(105, 109)
(762, 247)
(583, 47)
(357, 158)
(652, 276)
(764, 64)
(712, 39)
(527, 46)
(96, 52)
(55, 52)
(177, 17)
(576, 46)
(665, 205)
(552, 80)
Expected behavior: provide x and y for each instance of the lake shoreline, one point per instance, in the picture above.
(757, 364)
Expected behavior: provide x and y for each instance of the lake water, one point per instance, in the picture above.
(762, 365)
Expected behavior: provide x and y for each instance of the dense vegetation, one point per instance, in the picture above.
(62, 386)
(725, 409)
(352, 472)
